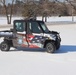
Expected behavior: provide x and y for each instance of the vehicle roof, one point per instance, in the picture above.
(22, 20)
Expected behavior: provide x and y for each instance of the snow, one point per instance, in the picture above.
(54, 19)
(62, 62)
(3, 20)
(59, 19)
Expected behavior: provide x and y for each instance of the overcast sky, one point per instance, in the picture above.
(9, 1)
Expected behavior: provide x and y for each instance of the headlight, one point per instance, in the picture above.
(53, 36)
(58, 36)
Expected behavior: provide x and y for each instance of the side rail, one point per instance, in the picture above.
(6, 34)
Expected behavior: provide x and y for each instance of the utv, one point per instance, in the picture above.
(30, 34)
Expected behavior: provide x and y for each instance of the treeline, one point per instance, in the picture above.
(34, 8)
(40, 8)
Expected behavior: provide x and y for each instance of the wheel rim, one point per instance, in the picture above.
(49, 48)
(4, 47)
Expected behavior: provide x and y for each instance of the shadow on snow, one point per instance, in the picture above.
(29, 49)
(66, 48)
(63, 49)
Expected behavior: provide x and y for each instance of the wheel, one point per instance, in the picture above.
(50, 47)
(5, 46)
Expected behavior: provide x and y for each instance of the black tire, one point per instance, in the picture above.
(5, 46)
(50, 47)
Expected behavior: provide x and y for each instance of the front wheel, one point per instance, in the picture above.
(50, 47)
(5, 46)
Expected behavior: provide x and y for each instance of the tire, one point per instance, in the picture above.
(5, 46)
(50, 47)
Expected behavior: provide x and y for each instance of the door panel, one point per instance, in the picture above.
(36, 36)
(20, 35)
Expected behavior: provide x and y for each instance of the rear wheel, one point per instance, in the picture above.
(50, 47)
(5, 46)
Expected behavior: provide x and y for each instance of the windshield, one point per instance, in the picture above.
(45, 29)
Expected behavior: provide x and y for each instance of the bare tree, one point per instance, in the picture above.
(30, 9)
(44, 9)
(8, 15)
(72, 3)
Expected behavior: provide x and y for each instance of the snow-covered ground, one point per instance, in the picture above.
(54, 19)
(3, 20)
(62, 62)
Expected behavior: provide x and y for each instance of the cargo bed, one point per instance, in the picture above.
(6, 33)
